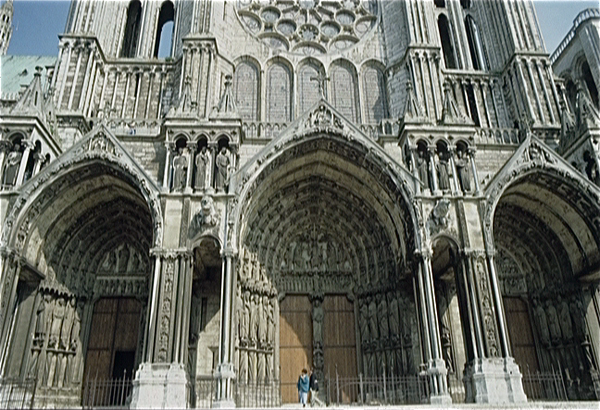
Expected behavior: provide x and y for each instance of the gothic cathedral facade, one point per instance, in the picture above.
(234, 190)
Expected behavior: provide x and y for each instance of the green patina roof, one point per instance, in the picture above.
(18, 71)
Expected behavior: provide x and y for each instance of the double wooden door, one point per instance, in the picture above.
(521, 334)
(113, 339)
(296, 341)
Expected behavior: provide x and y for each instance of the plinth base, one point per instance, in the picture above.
(495, 381)
(160, 386)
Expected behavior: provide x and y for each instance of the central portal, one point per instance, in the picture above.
(317, 332)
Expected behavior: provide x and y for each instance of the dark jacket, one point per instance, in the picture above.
(314, 383)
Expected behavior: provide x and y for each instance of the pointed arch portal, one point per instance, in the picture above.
(82, 236)
(322, 250)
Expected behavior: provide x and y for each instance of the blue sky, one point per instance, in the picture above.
(37, 24)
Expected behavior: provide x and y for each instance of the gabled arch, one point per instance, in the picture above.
(99, 150)
(539, 182)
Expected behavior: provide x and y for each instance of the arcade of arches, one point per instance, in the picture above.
(329, 274)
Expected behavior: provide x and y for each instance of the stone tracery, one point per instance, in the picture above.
(309, 26)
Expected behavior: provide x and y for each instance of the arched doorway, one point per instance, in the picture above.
(547, 255)
(451, 304)
(323, 249)
(203, 347)
(79, 306)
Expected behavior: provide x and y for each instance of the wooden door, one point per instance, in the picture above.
(295, 343)
(113, 339)
(339, 339)
(520, 333)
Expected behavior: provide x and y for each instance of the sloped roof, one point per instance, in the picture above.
(19, 70)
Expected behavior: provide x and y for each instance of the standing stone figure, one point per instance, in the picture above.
(253, 320)
(203, 161)
(223, 163)
(373, 318)
(262, 322)
(382, 315)
(317, 317)
(443, 174)
(394, 319)
(553, 325)
(447, 348)
(11, 166)
(564, 315)
(463, 172)
(540, 319)
(423, 168)
(364, 321)
(180, 164)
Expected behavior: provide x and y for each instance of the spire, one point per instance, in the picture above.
(31, 101)
(412, 109)
(450, 112)
(226, 107)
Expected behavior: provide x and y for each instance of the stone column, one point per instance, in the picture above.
(413, 165)
(436, 366)
(191, 146)
(10, 269)
(24, 160)
(168, 146)
(491, 376)
(161, 381)
(210, 171)
(4, 149)
(225, 373)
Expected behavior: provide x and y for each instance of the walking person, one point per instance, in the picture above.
(314, 389)
(303, 387)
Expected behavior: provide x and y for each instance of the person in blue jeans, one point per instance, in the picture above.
(303, 387)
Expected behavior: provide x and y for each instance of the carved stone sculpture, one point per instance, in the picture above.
(463, 171)
(203, 166)
(542, 322)
(564, 317)
(223, 164)
(423, 168)
(384, 330)
(443, 174)
(180, 164)
(553, 325)
(11, 166)
(317, 317)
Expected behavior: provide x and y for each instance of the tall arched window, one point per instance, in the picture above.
(308, 90)
(586, 74)
(279, 91)
(475, 44)
(246, 90)
(344, 90)
(164, 30)
(132, 29)
(447, 42)
(374, 94)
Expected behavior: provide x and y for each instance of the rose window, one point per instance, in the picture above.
(308, 26)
